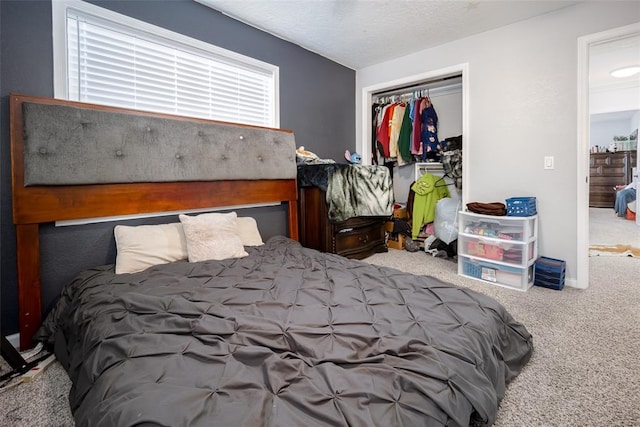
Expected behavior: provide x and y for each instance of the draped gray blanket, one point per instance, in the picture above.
(287, 336)
(359, 191)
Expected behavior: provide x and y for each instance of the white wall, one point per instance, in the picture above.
(601, 132)
(449, 110)
(616, 99)
(522, 107)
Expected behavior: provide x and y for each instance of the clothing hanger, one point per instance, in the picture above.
(446, 184)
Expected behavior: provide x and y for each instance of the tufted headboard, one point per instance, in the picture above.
(71, 145)
(75, 160)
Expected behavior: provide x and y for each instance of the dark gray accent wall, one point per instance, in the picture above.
(317, 102)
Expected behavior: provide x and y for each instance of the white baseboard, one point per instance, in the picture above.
(573, 283)
(14, 340)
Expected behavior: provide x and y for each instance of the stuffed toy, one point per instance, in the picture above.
(353, 158)
(308, 157)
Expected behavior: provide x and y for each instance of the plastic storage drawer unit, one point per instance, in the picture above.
(498, 249)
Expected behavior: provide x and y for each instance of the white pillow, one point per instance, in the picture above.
(212, 236)
(248, 231)
(140, 247)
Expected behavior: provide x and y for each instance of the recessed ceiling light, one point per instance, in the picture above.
(626, 71)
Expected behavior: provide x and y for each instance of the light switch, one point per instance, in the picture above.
(548, 162)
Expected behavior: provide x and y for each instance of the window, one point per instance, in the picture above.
(106, 58)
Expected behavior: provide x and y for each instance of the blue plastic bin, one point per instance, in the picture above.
(521, 206)
(549, 273)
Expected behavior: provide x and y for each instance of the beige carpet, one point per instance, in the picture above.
(610, 235)
(607, 229)
(584, 369)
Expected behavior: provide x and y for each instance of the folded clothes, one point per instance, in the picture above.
(493, 208)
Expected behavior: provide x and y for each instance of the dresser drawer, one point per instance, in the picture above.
(360, 242)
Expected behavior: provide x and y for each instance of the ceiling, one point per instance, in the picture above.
(611, 55)
(611, 98)
(360, 33)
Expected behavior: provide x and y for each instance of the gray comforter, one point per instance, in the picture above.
(287, 336)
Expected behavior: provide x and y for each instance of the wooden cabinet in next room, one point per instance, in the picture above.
(606, 170)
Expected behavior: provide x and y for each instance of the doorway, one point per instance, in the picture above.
(588, 46)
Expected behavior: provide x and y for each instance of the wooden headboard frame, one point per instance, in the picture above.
(34, 205)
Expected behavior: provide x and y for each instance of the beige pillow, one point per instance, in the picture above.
(248, 231)
(140, 247)
(212, 236)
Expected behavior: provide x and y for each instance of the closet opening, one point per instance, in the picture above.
(447, 92)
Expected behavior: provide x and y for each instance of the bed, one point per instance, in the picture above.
(280, 335)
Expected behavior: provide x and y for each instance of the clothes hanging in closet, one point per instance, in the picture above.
(405, 129)
(429, 132)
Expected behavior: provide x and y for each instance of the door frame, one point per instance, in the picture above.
(582, 188)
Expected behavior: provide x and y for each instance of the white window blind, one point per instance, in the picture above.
(109, 63)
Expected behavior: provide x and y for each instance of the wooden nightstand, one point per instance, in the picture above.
(357, 237)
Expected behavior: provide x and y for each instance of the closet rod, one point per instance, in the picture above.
(414, 87)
